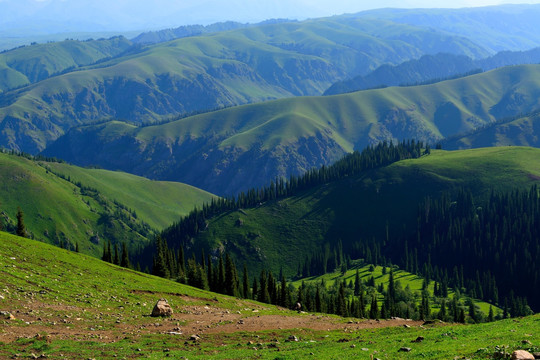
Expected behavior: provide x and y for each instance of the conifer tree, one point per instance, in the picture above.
(284, 296)
(374, 308)
(125, 257)
(231, 277)
(357, 283)
(21, 228)
(245, 284)
(116, 260)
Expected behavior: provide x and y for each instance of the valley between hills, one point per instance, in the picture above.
(355, 186)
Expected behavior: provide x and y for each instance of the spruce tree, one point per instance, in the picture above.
(125, 257)
(21, 228)
(231, 277)
(116, 259)
(374, 309)
(245, 283)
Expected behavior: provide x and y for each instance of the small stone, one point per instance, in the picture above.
(418, 339)
(194, 338)
(365, 349)
(405, 349)
(292, 338)
(522, 355)
(536, 355)
(353, 346)
(526, 342)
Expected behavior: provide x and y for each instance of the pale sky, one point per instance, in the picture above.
(96, 15)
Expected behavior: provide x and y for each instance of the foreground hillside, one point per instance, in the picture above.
(69, 206)
(219, 151)
(79, 307)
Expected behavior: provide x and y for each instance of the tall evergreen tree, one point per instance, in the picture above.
(245, 283)
(125, 256)
(21, 228)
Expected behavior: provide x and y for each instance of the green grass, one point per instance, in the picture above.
(31, 64)
(282, 233)
(41, 284)
(158, 203)
(56, 211)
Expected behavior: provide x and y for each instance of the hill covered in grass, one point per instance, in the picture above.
(30, 64)
(517, 131)
(69, 206)
(362, 207)
(234, 149)
(441, 215)
(431, 69)
(210, 71)
(64, 304)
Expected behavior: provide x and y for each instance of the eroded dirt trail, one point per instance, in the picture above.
(70, 322)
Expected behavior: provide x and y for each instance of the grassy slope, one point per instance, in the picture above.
(274, 234)
(98, 301)
(293, 135)
(158, 203)
(30, 64)
(56, 210)
(522, 131)
(216, 70)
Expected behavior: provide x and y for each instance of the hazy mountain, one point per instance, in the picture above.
(504, 27)
(217, 70)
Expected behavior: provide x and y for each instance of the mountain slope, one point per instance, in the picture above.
(432, 68)
(31, 64)
(379, 202)
(521, 131)
(212, 71)
(237, 148)
(94, 206)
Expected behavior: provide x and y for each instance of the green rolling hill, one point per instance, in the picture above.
(220, 151)
(280, 234)
(521, 131)
(30, 64)
(212, 71)
(65, 205)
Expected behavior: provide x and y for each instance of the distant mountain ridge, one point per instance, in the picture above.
(233, 149)
(432, 68)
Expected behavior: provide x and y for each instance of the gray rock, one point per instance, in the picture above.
(405, 349)
(162, 308)
(522, 355)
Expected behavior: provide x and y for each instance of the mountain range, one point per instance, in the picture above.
(242, 147)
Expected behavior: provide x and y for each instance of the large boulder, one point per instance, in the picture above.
(522, 355)
(162, 308)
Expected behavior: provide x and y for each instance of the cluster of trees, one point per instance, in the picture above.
(113, 256)
(372, 157)
(358, 298)
(482, 248)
